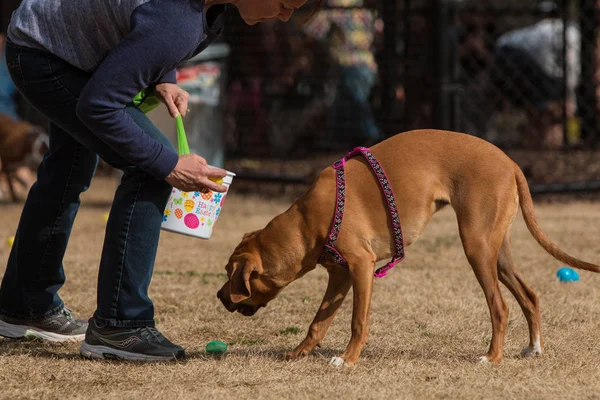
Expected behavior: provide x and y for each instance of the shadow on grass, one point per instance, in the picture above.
(278, 354)
(37, 348)
(70, 351)
(418, 353)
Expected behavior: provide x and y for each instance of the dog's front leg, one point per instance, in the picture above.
(337, 288)
(361, 275)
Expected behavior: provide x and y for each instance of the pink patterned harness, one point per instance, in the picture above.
(329, 248)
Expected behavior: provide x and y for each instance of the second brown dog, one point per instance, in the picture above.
(21, 144)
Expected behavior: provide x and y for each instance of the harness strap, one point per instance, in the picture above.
(340, 202)
(330, 249)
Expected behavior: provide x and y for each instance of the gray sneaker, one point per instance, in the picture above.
(60, 327)
(129, 344)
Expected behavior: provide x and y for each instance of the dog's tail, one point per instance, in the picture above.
(529, 215)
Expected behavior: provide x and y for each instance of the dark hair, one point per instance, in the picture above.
(318, 4)
(315, 5)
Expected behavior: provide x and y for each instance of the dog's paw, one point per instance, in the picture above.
(336, 361)
(294, 355)
(531, 351)
(484, 360)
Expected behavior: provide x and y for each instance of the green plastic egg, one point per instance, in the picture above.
(216, 347)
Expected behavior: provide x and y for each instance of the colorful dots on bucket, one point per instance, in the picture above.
(567, 275)
(217, 198)
(189, 205)
(206, 195)
(179, 213)
(191, 221)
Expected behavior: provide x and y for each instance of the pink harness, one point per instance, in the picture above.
(329, 248)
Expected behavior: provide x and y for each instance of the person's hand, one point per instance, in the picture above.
(192, 173)
(174, 97)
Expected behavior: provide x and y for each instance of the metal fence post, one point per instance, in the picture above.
(588, 101)
(565, 68)
(446, 65)
(389, 63)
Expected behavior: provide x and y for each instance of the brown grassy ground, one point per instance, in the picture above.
(429, 321)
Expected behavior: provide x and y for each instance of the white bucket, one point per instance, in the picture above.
(195, 213)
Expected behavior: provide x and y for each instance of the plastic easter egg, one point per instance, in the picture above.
(218, 181)
(567, 275)
(216, 347)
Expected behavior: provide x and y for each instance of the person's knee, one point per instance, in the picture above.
(84, 171)
(73, 168)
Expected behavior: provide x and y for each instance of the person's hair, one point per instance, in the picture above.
(306, 17)
(315, 6)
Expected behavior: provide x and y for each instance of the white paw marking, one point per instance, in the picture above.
(336, 361)
(534, 350)
(484, 360)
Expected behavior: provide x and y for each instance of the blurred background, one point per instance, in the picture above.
(277, 102)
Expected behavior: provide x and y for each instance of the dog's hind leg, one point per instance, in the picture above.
(337, 288)
(22, 181)
(525, 297)
(481, 236)
(11, 188)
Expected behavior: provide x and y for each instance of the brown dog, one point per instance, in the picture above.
(21, 144)
(427, 169)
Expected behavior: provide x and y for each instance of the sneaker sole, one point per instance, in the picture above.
(95, 352)
(29, 332)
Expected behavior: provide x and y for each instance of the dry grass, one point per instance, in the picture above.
(429, 321)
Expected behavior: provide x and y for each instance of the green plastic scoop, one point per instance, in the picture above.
(147, 102)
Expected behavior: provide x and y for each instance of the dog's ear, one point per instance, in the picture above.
(249, 234)
(240, 277)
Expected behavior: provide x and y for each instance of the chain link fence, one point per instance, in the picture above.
(521, 74)
(296, 88)
(528, 72)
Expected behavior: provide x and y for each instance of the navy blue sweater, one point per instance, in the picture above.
(127, 45)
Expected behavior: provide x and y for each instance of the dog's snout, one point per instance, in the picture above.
(228, 304)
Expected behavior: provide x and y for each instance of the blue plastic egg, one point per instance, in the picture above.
(567, 275)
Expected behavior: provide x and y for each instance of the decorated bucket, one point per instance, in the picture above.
(195, 213)
(188, 213)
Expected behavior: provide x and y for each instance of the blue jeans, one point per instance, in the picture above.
(34, 273)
